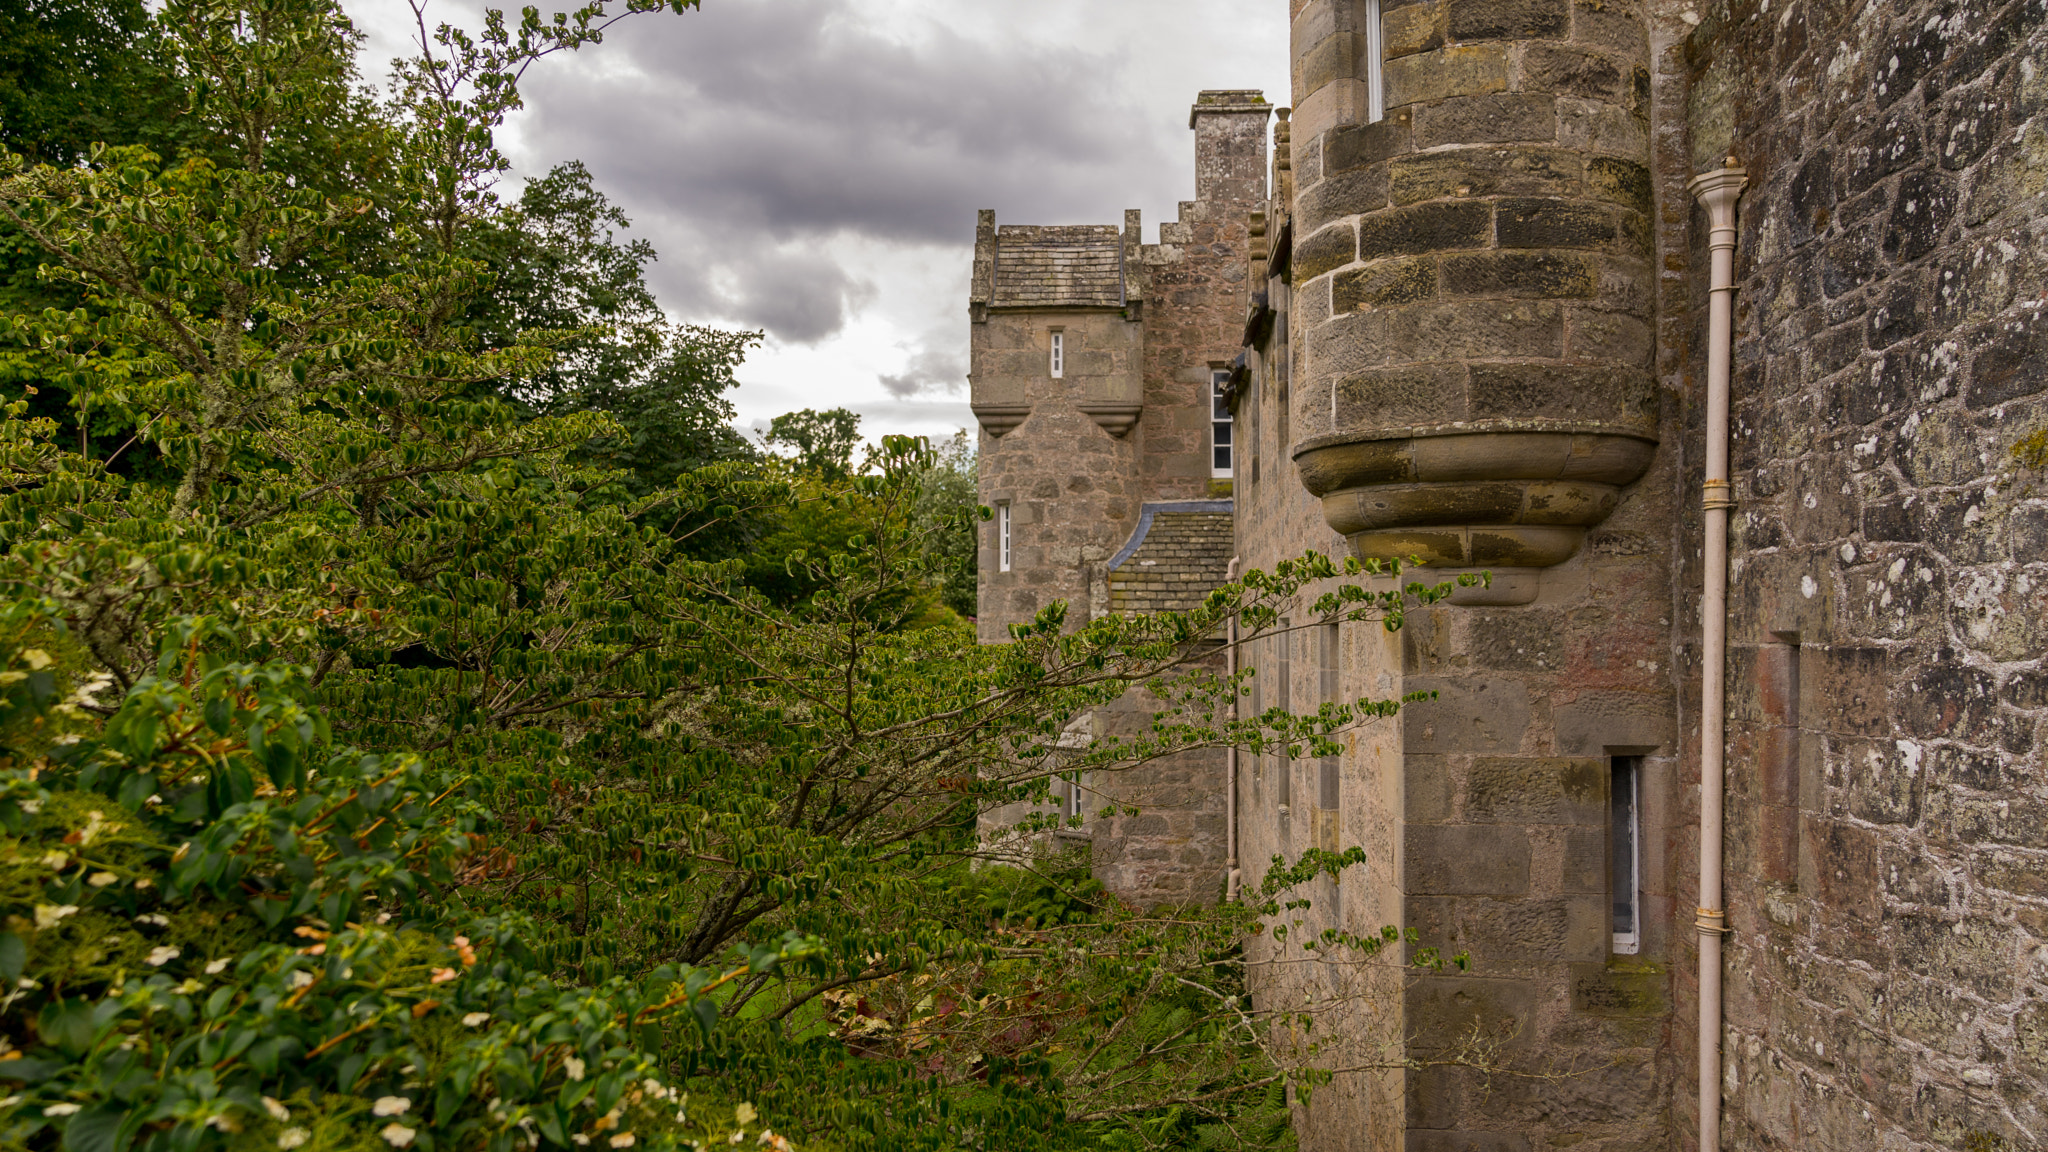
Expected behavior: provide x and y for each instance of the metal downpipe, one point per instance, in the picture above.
(1718, 193)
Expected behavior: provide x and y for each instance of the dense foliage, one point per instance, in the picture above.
(470, 766)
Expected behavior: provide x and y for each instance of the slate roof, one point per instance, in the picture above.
(1041, 266)
(1176, 557)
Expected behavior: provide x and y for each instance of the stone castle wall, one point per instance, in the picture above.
(1888, 799)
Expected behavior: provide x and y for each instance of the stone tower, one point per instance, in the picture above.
(1469, 314)
(1096, 360)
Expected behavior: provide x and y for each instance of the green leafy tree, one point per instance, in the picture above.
(821, 443)
(558, 732)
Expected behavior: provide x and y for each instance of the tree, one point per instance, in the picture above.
(562, 723)
(822, 443)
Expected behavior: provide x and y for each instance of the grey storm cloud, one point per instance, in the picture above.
(937, 366)
(744, 136)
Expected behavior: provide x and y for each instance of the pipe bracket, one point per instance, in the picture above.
(1711, 922)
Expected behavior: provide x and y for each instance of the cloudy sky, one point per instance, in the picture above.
(812, 168)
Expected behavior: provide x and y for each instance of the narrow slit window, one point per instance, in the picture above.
(1073, 804)
(1282, 672)
(1059, 354)
(1625, 839)
(1375, 64)
(1326, 662)
(1002, 537)
(1220, 425)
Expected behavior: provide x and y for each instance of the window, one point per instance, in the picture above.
(1375, 64)
(1281, 674)
(1002, 537)
(1326, 797)
(1059, 354)
(1072, 807)
(1219, 424)
(1624, 835)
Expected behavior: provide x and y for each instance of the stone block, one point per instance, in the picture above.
(1622, 397)
(1533, 790)
(1479, 329)
(1412, 28)
(1408, 394)
(1570, 70)
(1458, 70)
(1424, 228)
(1442, 1010)
(1332, 247)
(1522, 171)
(1451, 859)
(1508, 19)
(1349, 146)
(1384, 285)
(1622, 182)
(1522, 275)
(1502, 118)
(2013, 361)
(1345, 194)
(1921, 213)
(1556, 223)
(1621, 987)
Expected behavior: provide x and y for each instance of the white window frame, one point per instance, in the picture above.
(1630, 942)
(1003, 537)
(1072, 807)
(1059, 354)
(1375, 64)
(1217, 379)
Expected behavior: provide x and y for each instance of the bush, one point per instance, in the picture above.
(225, 931)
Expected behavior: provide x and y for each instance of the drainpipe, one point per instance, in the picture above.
(1233, 877)
(1717, 192)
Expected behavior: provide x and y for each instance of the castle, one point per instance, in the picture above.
(1717, 332)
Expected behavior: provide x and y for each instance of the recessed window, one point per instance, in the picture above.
(1002, 537)
(1375, 64)
(1059, 354)
(1624, 835)
(1072, 807)
(1219, 425)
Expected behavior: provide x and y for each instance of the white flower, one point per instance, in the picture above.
(156, 918)
(57, 860)
(31, 806)
(162, 955)
(579, 1138)
(102, 879)
(390, 1106)
(145, 882)
(474, 1019)
(573, 1067)
(622, 1140)
(292, 1137)
(745, 1113)
(10, 1101)
(301, 978)
(651, 1086)
(278, 1112)
(60, 1110)
(216, 967)
(383, 917)
(397, 1135)
(737, 1136)
(47, 915)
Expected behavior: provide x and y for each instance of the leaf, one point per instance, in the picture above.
(13, 956)
(97, 1129)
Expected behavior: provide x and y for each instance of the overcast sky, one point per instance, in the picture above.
(812, 168)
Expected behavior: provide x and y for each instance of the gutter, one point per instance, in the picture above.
(1717, 192)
